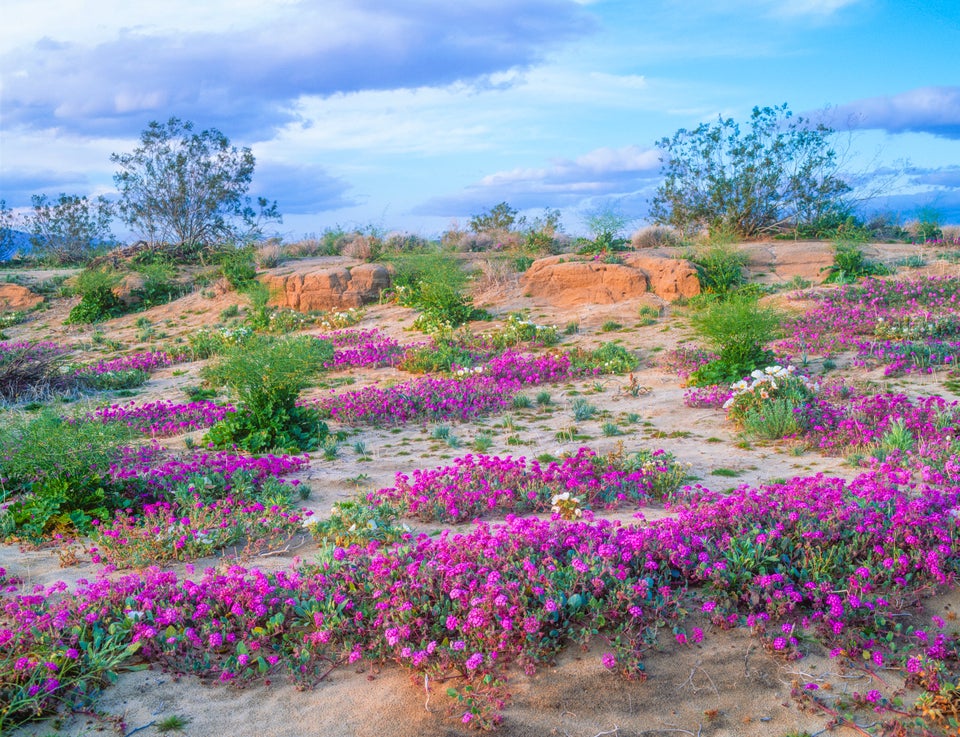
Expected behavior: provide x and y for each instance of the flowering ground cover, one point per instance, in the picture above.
(478, 603)
(475, 485)
(358, 348)
(164, 418)
(904, 326)
(522, 555)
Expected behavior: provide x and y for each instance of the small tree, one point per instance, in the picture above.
(500, 218)
(67, 230)
(179, 186)
(782, 171)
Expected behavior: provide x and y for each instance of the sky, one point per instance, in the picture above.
(415, 115)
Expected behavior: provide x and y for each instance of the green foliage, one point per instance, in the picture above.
(183, 187)
(443, 355)
(582, 409)
(239, 267)
(768, 406)
(781, 171)
(606, 224)
(113, 380)
(834, 225)
(265, 376)
(929, 220)
(738, 330)
(517, 330)
(500, 217)
(51, 473)
(609, 358)
(159, 284)
(720, 267)
(70, 229)
(665, 472)
(97, 299)
(433, 283)
(849, 264)
(359, 522)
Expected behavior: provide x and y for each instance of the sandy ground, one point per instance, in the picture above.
(725, 686)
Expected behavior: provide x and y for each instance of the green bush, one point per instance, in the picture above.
(768, 405)
(434, 284)
(239, 266)
(719, 267)
(443, 355)
(609, 358)
(97, 299)
(739, 330)
(113, 380)
(849, 264)
(265, 376)
(159, 284)
(52, 470)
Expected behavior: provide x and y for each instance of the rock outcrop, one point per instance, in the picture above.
(16, 297)
(328, 289)
(574, 282)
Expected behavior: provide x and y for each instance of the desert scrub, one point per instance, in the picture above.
(609, 358)
(265, 376)
(738, 330)
(54, 473)
(433, 284)
(97, 299)
(850, 263)
(771, 403)
(517, 330)
(719, 267)
(32, 370)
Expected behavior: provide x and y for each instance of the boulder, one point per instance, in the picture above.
(575, 282)
(130, 289)
(15, 297)
(668, 278)
(328, 289)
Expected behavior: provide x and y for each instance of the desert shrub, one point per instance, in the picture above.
(54, 473)
(850, 263)
(445, 354)
(738, 330)
(265, 376)
(31, 370)
(434, 284)
(750, 179)
(113, 380)
(159, 284)
(609, 358)
(239, 266)
(97, 298)
(719, 267)
(771, 403)
(516, 330)
(654, 236)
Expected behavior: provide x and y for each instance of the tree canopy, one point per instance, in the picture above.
(180, 186)
(780, 172)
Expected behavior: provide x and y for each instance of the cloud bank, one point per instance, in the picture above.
(249, 77)
(934, 110)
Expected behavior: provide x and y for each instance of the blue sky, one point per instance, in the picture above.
(414, 114)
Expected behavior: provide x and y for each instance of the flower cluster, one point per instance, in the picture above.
(477, 485)
(356, 348)
(148, 362)
(164, 418)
